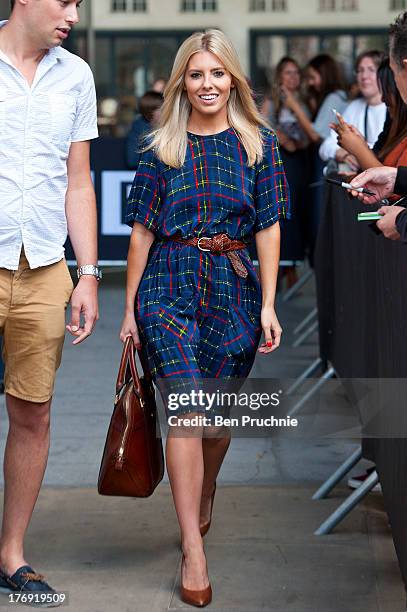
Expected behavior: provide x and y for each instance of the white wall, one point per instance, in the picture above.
(235, 19)
(301, 13)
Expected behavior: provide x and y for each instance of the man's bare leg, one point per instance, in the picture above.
(25, 460)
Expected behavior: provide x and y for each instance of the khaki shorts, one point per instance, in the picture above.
(32, 322)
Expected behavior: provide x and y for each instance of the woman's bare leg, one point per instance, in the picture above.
(214, 451)
(185, 468)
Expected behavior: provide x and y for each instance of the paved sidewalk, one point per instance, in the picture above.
(122, 554)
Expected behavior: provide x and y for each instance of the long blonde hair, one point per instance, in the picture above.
(170, 140)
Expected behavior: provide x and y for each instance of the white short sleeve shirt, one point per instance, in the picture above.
(37, 127)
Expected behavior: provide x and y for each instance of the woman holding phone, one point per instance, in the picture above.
(210, 180)
(367, 113)
(391, 147)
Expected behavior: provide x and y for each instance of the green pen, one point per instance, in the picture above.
(369, 216)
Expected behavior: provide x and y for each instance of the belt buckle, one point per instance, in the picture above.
(199, 246)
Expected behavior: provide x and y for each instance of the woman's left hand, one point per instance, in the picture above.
(271, 329)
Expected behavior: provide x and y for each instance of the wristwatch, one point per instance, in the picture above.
(90, 270)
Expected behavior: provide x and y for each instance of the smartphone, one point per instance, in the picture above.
(337, 115)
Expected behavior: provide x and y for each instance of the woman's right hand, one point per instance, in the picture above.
(129, 328)
(289, 99)
(381, 181)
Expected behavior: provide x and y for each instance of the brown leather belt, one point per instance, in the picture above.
(218, 244)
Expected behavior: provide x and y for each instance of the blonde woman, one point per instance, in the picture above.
(211, 178)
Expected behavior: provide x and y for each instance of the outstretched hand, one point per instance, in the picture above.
(379, 180)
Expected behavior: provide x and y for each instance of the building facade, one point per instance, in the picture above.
(135, 40)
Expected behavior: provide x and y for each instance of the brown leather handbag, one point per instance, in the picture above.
(133, 459)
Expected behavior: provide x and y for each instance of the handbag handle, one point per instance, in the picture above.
(128, 368)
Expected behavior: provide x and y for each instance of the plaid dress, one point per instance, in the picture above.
(195, 316)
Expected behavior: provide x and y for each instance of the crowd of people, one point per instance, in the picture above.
(323, 124)
(321, 130)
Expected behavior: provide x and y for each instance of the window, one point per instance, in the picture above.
(118, 5)
(257, 5)
(267, 48)
(338, 5)
(136, 6)
(279, 5)
(327, 5)
(363, 42)
(195, 6)
(398, 5)
(267, 5)
(140, 6)
(128, 64)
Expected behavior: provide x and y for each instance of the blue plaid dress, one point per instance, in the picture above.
(196, 317)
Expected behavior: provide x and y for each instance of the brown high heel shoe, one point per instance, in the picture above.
(199, 598)
(205, 527)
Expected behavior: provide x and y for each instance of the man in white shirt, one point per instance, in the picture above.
(47, 117)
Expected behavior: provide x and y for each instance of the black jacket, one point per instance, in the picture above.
(400, 187)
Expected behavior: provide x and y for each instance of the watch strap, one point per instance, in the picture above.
(90, 270)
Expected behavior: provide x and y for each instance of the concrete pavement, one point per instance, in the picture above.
(122, 554)
(262, 555)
